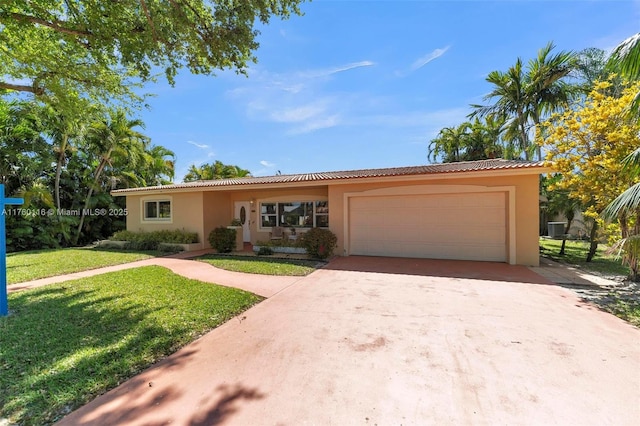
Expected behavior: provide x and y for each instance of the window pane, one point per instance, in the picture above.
(268, 221)
(297, 214)
(165, 209)
(322, 221)
(322, 207)
(151, 210)
(268, 208)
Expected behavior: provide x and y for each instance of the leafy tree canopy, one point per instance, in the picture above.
(63, 49)
(587, 146)
(477, 140)
(213, 171)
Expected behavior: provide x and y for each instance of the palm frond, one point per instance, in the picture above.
(627, 57)
(626, 202)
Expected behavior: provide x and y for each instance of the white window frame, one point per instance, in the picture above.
(157, 200)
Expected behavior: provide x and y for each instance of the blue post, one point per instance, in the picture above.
(4, 304)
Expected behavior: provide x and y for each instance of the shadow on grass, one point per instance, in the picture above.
(623, 300)
(61, 348)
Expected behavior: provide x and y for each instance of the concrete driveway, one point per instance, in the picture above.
(396, 342)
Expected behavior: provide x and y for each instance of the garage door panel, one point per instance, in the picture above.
(468, 226)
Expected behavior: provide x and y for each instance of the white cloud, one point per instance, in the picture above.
(267, 163)
(420, 62)
(297, 114)
(324, 72)
(299, 100)
(201, 146)
(317, 124)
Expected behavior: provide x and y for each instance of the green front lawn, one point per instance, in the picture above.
(32, 265)
(261, 265)
(576, 254)
(64, 344)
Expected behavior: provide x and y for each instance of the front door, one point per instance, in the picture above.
(242, 209)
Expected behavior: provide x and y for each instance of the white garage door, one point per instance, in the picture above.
(469, 226)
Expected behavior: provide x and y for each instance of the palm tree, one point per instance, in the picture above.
(159, 166)
(112, 137)
(510, 102)
(626, 57)
(449, 144)
(627, 206)
(546, 91)
(477, 140)
(215, 171)
(524, 95)
(62, 131)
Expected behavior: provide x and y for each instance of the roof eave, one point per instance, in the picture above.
(529, 169)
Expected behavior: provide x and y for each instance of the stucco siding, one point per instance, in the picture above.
(186, 213)
(526, 207)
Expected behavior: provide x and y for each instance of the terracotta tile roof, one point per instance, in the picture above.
(429, 169)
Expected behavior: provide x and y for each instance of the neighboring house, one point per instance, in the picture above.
(477, 210)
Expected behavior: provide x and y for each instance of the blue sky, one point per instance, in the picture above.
(365, 84)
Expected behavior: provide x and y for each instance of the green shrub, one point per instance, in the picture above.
(265, 251)
(170, 248)
(151, 240)
(141, 245)
(223, 239)
(319, 242)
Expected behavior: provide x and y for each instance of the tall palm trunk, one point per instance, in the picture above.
(60, 163)
(524, 138)
(96, 179)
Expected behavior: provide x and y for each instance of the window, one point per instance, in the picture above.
(322, 214)
(296, 214)
(268, 215)
(157, 210)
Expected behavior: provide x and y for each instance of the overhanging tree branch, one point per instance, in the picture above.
(54, 25)
(38, 91)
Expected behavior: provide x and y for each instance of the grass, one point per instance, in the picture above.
(622, 302)
(576, 254)
(261, 265)
(64, 344)
(32, 265)
(628, 310)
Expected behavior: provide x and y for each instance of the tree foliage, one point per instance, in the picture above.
(68, 50)
(525, 94)
(60, 166)
(626, 57)
(214, 171)
(587, 146)
(477, 140)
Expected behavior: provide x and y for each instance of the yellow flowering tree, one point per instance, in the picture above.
(587, 145)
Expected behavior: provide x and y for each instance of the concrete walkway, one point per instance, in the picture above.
(262, 285)
(568, 275)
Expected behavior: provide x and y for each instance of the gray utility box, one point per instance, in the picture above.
(555, 229)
